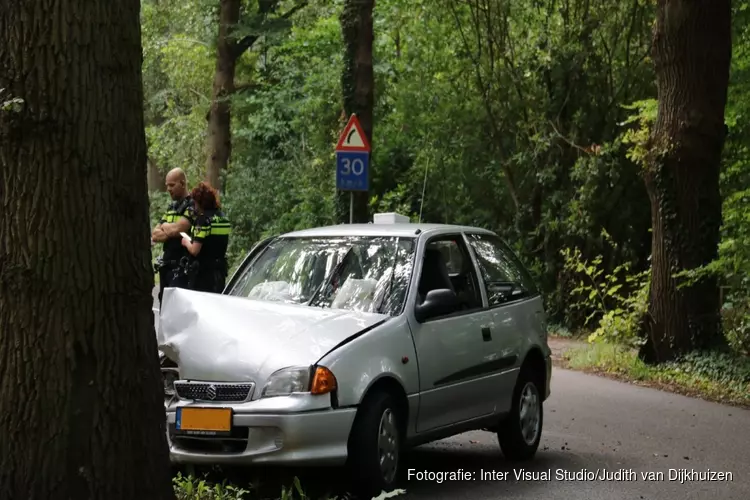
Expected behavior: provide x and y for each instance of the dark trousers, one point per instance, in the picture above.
(210, 280)
(171, 277)
(165, 280)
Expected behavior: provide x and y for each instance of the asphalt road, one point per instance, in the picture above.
(594, 424)
(591, 425)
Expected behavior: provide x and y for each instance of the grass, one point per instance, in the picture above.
(719, 377)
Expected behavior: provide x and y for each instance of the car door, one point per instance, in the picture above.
(510, 290)
(451, 348)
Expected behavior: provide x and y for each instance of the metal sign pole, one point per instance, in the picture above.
(351, 207)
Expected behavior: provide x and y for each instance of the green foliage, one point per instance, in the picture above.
(475, 123)
(158, 203)
(619, 300)
(638, 136)
(528, 118)
(721, 367)
(292, 491)
(191, 488)
(736, 323)
(178, 70)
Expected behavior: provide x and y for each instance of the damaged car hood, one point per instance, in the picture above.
(222, 338)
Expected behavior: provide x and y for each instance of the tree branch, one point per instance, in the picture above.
(248, 41)
(244, 44)
(594, 149)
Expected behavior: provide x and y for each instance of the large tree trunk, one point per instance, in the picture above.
(219, 118)
(692, 52)
(81, 401)
(358, 85)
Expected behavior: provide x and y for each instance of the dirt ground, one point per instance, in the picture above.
(560, 345)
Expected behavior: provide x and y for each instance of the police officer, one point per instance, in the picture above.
(178, 218)
(209, 241)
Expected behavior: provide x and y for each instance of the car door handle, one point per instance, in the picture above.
(486, 333)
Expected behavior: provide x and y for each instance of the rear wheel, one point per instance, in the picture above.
(375, 445)
(519, 435)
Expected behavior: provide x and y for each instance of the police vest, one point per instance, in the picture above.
(173, 249)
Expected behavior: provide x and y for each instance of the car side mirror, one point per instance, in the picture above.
(437, 303)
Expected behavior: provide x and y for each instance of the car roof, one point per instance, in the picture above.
(396, 229)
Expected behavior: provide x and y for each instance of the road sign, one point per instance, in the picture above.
(353, 137)
(352, 172)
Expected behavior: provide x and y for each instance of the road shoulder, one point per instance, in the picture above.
(568, 353)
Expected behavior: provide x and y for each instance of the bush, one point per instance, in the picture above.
(190, 488)
(718, 366)
(618, 299)
(736, 322)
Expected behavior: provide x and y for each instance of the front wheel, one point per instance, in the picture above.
(375, 445)
(519, 435)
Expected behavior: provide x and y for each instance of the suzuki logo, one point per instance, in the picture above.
(211, 392)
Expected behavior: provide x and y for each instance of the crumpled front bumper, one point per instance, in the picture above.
(289, 430)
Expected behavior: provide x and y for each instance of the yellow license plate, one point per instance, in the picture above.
(210, 421)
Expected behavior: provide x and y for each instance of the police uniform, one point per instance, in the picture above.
(212, 229)
(174, 252)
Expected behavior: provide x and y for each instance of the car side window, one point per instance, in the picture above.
(505, 277)
(452, 256)
(447, 264)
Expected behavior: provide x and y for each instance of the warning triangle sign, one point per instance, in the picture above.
(353, 138)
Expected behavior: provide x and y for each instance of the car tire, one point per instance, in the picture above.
(375, 437)
(521, 431)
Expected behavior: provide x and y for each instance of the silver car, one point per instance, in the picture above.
(344, 345)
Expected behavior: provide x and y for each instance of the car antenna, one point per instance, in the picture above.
(424, 187)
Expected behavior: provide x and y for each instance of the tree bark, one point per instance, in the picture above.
(219, 116)
(692, 53)
(80, 387)
(358, 86)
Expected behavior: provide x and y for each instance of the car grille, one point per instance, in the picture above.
(211, 391)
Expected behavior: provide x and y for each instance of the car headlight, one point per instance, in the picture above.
(287, 381)
(168, 377)
(314, 380)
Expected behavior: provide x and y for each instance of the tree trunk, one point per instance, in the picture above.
(219, 118)
(80, 387)
(692, 52)
(358, 85)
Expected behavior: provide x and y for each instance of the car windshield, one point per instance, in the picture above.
(367, 274)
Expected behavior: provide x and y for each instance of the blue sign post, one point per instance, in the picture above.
(353, 162)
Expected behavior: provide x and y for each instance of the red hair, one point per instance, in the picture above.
(206, 197)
